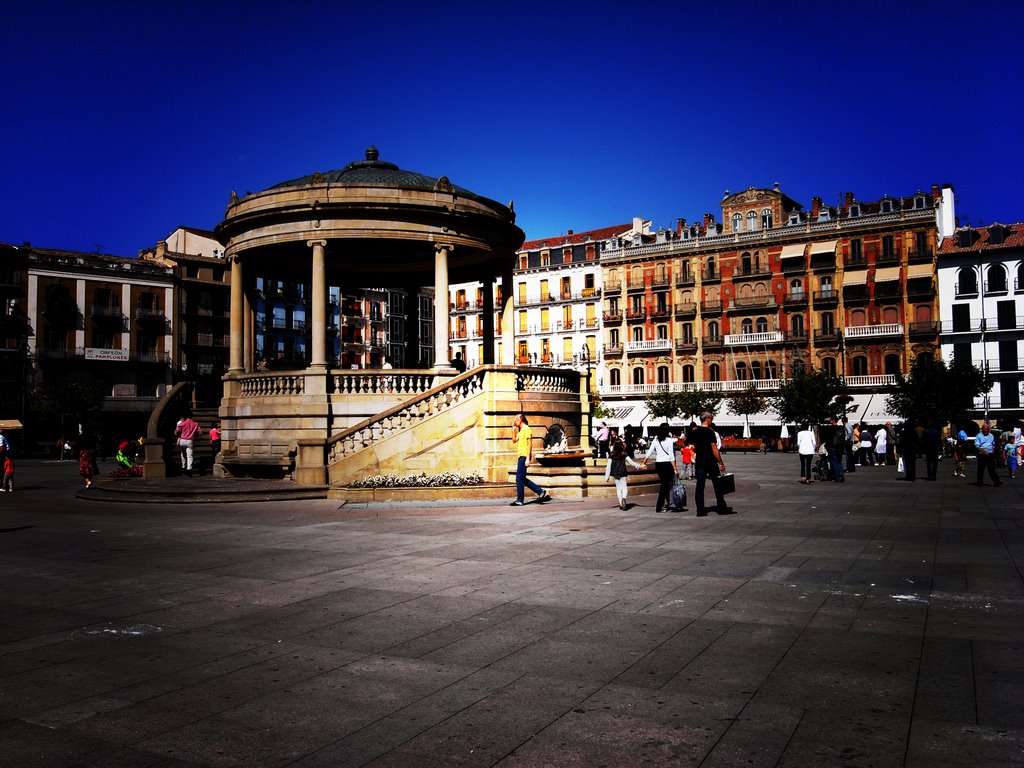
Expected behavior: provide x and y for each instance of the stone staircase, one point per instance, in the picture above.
(202, 452)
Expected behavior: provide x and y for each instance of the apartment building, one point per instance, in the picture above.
(981, 290)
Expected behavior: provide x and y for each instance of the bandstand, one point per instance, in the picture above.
(374, 225)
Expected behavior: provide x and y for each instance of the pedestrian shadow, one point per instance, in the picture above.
(18, 528)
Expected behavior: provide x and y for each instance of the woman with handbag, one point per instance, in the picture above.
(663, 450)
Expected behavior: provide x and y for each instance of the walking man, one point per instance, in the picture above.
(986, 448)
(709, 464)
(837, 449)
(187, 431)
(522, 436)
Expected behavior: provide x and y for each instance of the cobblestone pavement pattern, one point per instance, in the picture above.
(873, 623)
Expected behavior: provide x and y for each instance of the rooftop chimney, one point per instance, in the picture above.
(815, 208)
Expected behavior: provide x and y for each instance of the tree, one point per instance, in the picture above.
(933, 391)
(748, 401)
(673, 405)
(68, 397)
(808, 396)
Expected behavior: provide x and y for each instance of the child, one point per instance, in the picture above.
(687, 454)
(960, 457)
(616, 468)
(1010, 450)
(8, 484)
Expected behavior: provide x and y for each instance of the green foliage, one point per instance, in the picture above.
(748, 401)
(673, 405)
(808, 396)
(72, 396)
(936, 391)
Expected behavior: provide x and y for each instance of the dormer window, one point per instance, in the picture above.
(854, 211)
(919, 202)
(794, 218)
(823, 215)
(685, 234)
(887, 206)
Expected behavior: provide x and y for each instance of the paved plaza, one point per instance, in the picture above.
(873, 623)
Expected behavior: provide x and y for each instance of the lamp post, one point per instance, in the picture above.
(587, 426)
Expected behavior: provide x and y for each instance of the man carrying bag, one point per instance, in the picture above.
(709, 464)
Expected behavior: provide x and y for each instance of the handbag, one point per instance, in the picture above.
(900, 466)
(725, 484)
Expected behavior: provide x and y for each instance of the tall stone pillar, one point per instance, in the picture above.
(318, 354)
(488, 322)
(248, 325)
(442, 323)
(235, 364)
(508, 331)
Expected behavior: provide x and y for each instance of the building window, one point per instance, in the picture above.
(762, 325)
(828, 323)
(737, 223)
(713, 330)
(1009, 393)
(662, 331)
(766, 218)
(860, 365)
(751, 221)
(663, 374)
(687, 373)
(755, 369)
(825, 284)
(996, 279)
(741, 371)
(828, 365)
(638, 334)
(771, 370)
(613, 338)
(638, 377)
(687, 332)
(796, 288)
(888, 247)
(747, 326)
(714, 372)
(796, 325)
(966, 281)
(892, 365)
(746, 265)
(856, 251)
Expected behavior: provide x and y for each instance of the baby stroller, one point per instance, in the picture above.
(823, 470)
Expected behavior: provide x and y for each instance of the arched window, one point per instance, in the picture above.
(638, 334)
(662, 331)
(713, 330)
(766, 218)
(687, 332)
(825, 285)
(860, 365)
(751, 221)
(747, 326)
(737, 223)
(615, 377)
(755, 369)
(892, 365)
(828, 365)
(996, 279)
(1019, 286)
(638, 377)
(796, 288)
(798, 367)
(890, 315)
(796, 325)
(922, 313)
(771, 370)
(741, 371)
(747, 265)
(858, 317)
(711, 266)
(714, 372)
(828, 323)
(663, 374)
(762, 325)
(966, 281)
(687, 373)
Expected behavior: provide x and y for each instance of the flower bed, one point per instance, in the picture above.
(443, 480)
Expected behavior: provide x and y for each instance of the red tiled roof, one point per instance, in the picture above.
(1013, 238)
(591, 235)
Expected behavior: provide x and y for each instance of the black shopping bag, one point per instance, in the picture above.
(725, 484)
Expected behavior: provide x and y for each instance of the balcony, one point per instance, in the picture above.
(152, 357)
(660, 312)
(713, 342)
(890, 289)
(795, 299)
(972, 325)
(686, 308)
(661, 282)
(826, 297)
(686, 346)
(635, 285)
(148, 313)
(612, 316)
(711, 307)
(636, 315)
(686, 278)
(1006, 366)
(204, 339)
(883, 380)
(750, 273)
(920, 256)
(650, 345)
(590, 322)
(888, 257)
(924, 329)
(796, 337)
(612, 350)
(869, 331)
(855, 294)
(827, 336)
(765, 337)
(709, 275)
(615, 287)
(105, 310)
(965, 290)
(752, 303)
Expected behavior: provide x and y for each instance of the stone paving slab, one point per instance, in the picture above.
(870, 623)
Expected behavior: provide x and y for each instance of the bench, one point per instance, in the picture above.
(744, 444)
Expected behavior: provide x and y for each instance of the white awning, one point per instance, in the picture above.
(828, 246)
(919, 270)
(855, 278)
(887, 274)
(792, 251)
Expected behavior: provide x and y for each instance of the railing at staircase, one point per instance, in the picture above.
(403, 416)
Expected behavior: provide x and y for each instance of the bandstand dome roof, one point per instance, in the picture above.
(379, 225)
(373, 172)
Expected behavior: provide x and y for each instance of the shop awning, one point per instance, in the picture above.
(887, 274)
(792, 251)
(856, 278)
(10, 424)
(919, 270)
(828, 246)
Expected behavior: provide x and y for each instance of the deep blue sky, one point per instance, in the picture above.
(124, 120)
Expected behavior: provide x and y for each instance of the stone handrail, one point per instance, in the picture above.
(406, 382)
(272, 384)
(402, 416)
(548, 381)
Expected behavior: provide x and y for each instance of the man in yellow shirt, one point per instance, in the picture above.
(522, 436)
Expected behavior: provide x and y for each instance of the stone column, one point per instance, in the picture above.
(508, 331)
(249, 325)
(442, 324)
(488, 322)
(235, 364)
(318, 354)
